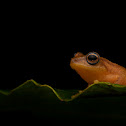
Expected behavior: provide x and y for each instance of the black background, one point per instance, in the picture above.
(39, 43)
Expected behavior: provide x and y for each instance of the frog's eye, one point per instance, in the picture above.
(92, 58)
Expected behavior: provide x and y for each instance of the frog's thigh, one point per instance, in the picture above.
(108, 78)
(111, 78)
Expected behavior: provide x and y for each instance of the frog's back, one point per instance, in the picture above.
(115, 69)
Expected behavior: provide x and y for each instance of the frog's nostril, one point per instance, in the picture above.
(74, 60)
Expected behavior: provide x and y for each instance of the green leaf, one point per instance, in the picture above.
(47, 102)
(33, 88)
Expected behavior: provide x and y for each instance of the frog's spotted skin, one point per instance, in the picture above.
(92, 67)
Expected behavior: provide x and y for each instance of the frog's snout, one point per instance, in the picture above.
(78, 54)
(77, 57)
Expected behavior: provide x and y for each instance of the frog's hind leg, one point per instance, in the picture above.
(121, 81)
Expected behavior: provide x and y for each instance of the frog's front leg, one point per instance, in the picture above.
(96, 81)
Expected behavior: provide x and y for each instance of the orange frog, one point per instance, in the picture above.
(93, 68)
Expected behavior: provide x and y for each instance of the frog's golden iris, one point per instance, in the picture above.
(92, 58)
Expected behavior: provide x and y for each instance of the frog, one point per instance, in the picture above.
(93, 69)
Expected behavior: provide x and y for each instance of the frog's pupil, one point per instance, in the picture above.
(92, 57)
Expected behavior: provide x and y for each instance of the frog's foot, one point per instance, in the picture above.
(96, 81)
